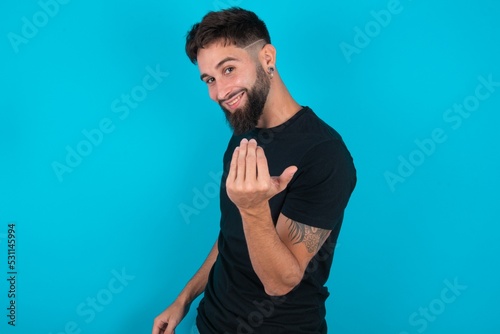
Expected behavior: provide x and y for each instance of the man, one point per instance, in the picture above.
(267, 269)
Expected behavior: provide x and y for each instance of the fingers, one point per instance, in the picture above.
(262, 168)
(170, 328)
(249, 183)
(231, 176)
(251, 161)
(285, 177)
(158, 327)
(164, 325)
(241, 160)
(287, 174)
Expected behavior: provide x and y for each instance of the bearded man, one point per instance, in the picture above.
(288, 177)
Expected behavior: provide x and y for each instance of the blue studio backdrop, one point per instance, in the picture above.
(111, 156)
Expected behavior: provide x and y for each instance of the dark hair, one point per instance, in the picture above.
(232, 26)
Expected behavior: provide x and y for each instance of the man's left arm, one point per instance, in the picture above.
(279, 254)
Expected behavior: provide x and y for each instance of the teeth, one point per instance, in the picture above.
(233, 102)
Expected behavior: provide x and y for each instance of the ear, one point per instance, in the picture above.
(267, 56)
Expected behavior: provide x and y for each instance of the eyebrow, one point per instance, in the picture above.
(219, 64)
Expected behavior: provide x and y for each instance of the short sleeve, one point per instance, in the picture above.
(320, 190)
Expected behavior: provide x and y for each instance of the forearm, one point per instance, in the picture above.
(198, 282)
(275, 265)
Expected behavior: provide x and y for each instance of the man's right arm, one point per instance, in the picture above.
(166, 322)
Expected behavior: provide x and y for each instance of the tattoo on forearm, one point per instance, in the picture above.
(312, 237)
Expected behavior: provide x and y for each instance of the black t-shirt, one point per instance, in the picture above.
(235, 300)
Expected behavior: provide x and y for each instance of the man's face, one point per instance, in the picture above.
(237, 82)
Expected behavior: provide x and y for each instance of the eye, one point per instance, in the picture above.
(228, 70)
(209, 81)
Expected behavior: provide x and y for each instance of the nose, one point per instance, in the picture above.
(222, 90)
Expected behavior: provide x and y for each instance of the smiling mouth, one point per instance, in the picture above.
(234, 101)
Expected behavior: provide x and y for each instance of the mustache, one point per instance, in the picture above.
(232, 95)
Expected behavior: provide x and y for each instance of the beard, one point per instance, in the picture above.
(246, 118)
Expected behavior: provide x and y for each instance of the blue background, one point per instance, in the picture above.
(118, 212)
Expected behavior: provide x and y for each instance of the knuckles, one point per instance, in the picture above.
(248, 188)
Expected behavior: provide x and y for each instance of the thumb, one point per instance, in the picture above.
(286, 177)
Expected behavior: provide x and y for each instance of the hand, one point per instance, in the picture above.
(248, 183)
(167, 321)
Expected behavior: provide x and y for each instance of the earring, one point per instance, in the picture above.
(270, 70)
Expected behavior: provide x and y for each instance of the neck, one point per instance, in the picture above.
(280, 105)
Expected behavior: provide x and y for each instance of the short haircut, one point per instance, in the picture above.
(232, 26)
